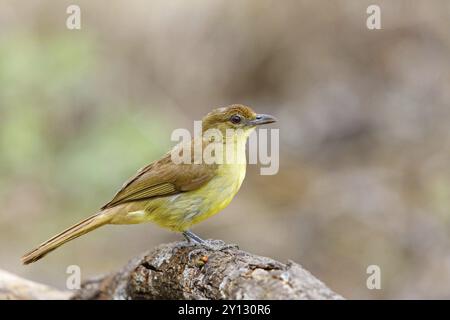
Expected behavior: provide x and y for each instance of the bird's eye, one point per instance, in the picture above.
(235, 119)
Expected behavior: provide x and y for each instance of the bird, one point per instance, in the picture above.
(174, 195)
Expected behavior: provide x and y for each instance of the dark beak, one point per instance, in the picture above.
(262, 119)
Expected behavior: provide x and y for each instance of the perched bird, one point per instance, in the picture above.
(176, 195)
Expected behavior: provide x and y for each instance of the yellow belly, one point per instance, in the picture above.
(181, 211)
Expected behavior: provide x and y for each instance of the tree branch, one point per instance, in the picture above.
(182, 271)
(14, 288)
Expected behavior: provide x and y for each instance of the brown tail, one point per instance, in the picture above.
(82, 227)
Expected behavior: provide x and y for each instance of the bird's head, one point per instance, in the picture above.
(235, 116)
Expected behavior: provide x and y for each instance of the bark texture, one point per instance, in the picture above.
(181, 271)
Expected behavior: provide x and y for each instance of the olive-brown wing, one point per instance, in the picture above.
(163, 178)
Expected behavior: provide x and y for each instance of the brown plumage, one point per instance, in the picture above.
(160, 178)
(217, 118)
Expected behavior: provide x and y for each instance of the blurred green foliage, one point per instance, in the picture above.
(44, 84)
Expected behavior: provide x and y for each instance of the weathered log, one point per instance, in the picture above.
(183, 271)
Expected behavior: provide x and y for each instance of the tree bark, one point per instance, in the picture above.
(182, 271)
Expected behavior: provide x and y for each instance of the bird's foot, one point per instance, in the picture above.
(214, 245)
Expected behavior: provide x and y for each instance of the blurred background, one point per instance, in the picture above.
(364, 118)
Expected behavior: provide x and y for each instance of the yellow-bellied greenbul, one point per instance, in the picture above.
(175, 196)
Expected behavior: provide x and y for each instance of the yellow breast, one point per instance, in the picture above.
(181, 211)
(219, 192)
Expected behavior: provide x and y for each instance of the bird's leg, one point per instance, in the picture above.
(192, 237)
